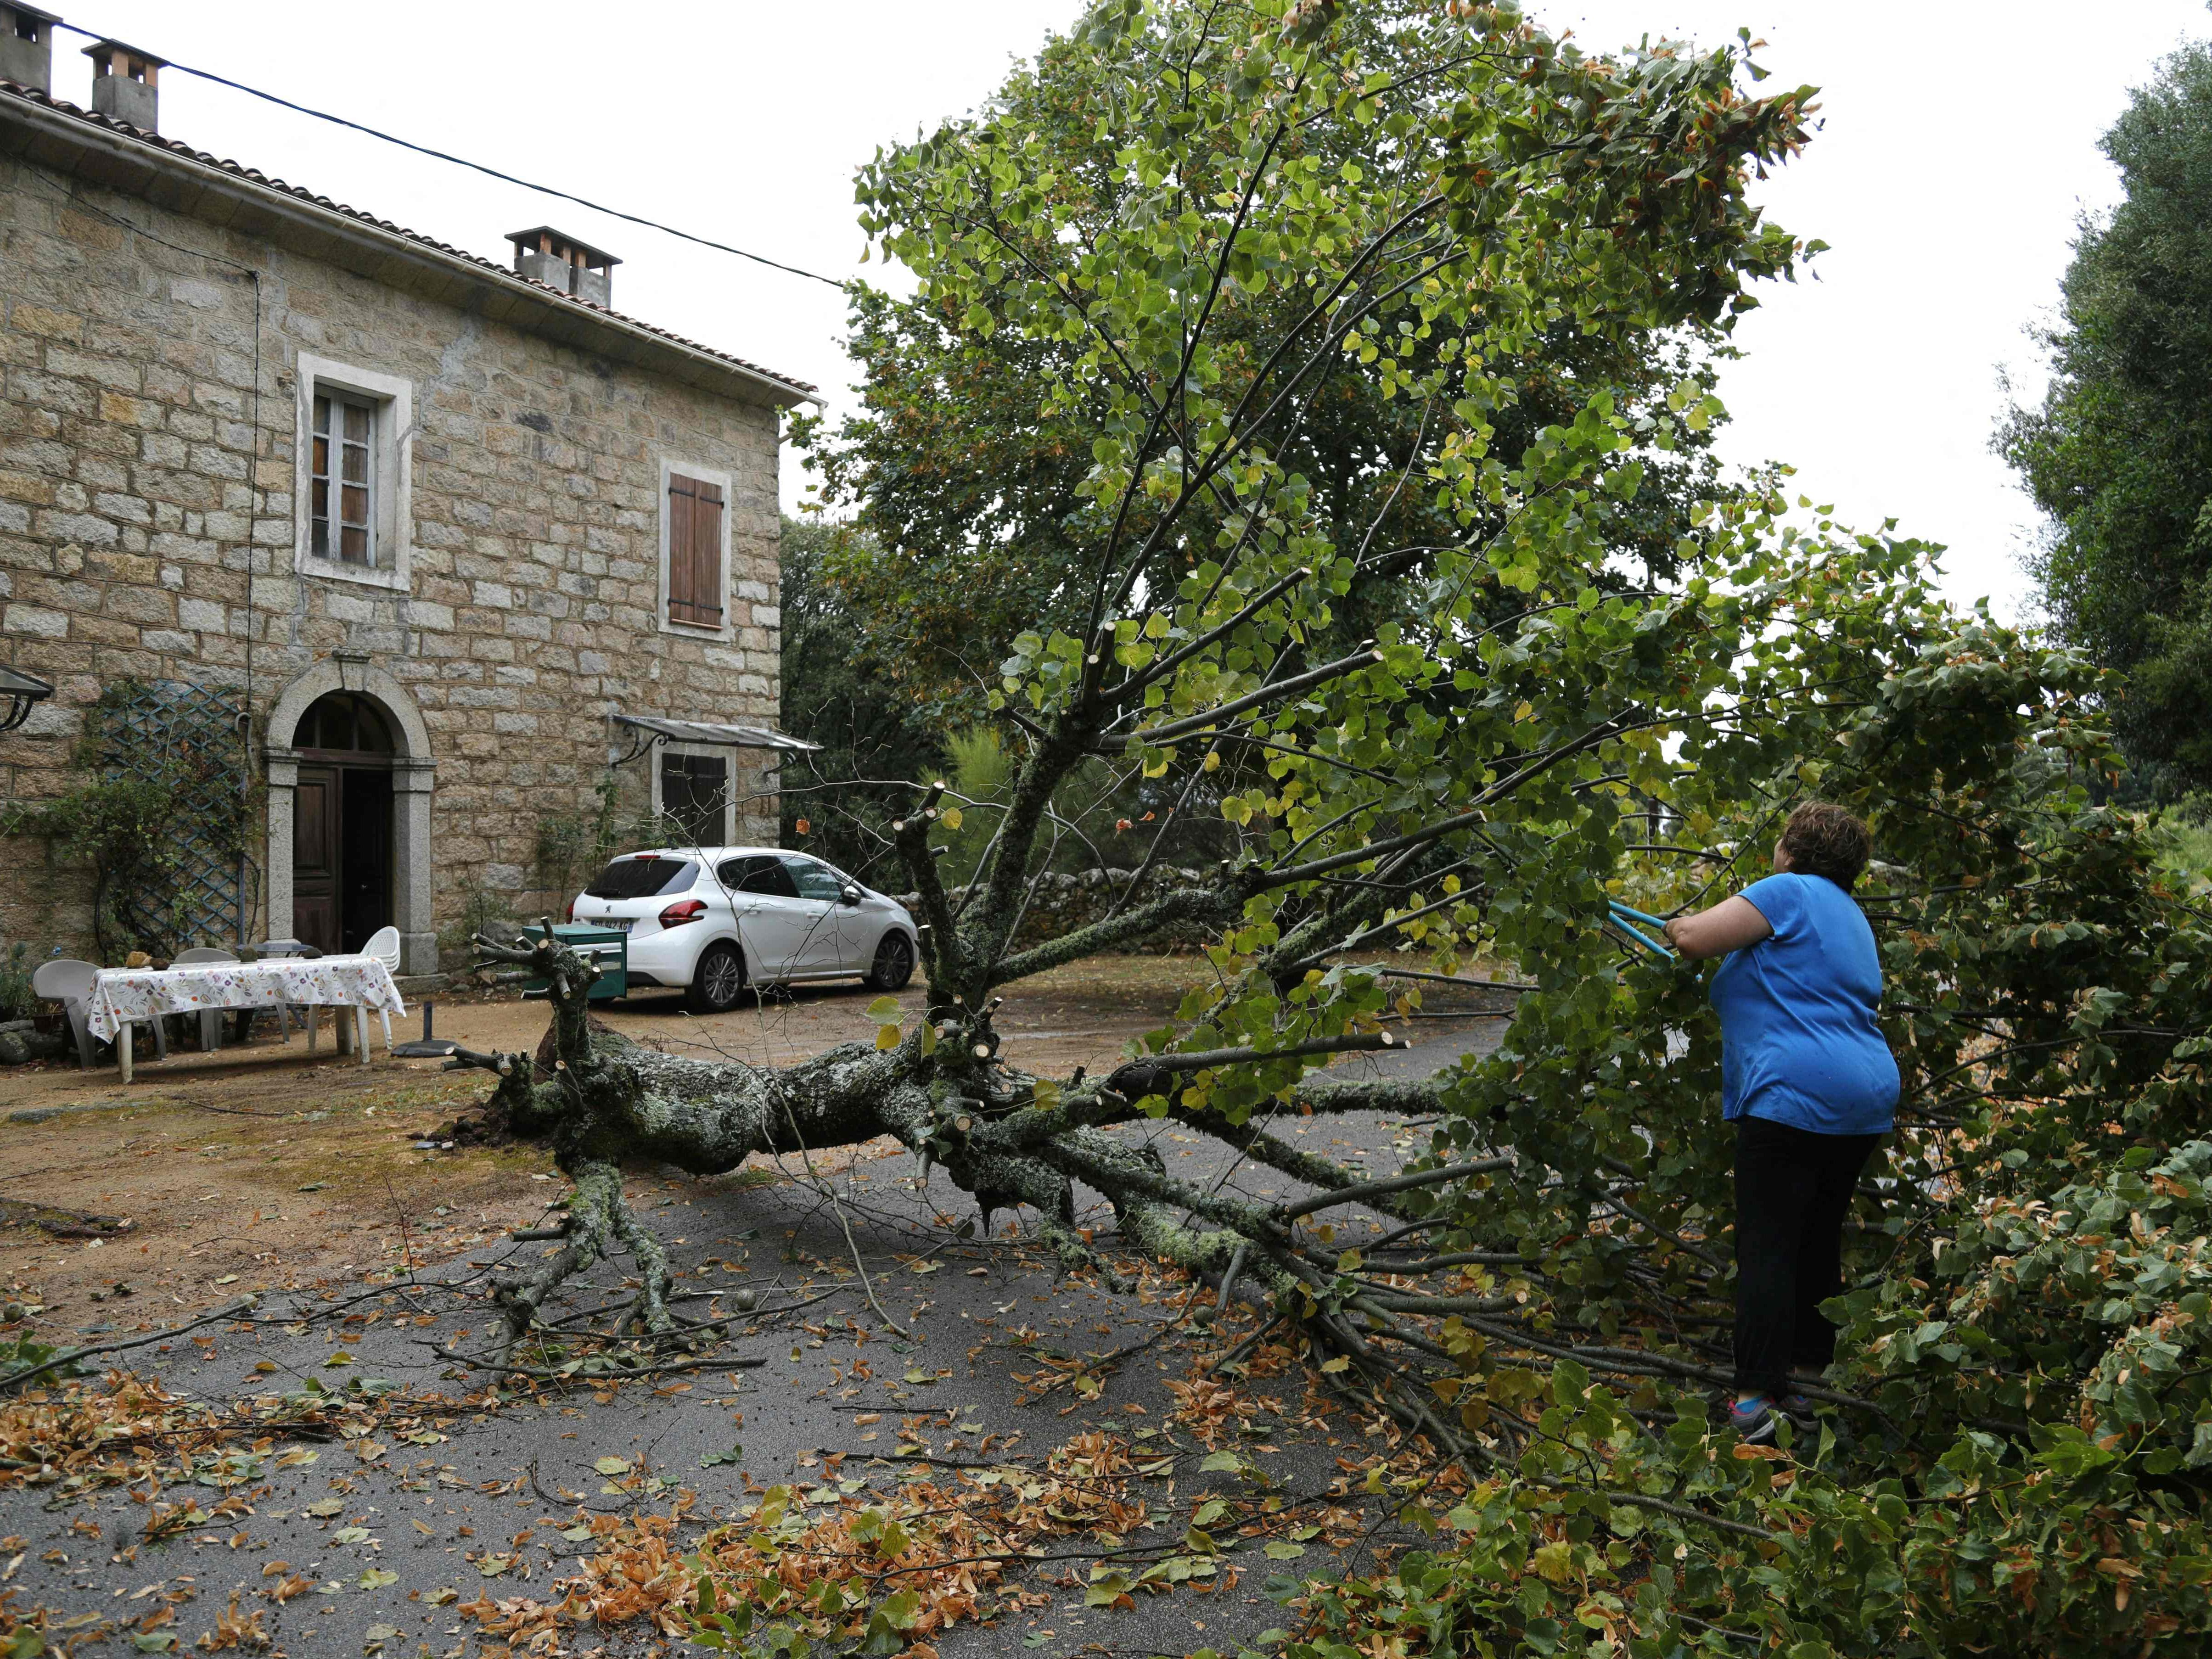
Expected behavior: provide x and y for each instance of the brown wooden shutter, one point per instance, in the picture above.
(695, 551)
(707, 554)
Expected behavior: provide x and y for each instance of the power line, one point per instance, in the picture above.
(475, 167)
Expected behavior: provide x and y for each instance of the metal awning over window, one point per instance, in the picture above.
(715, 732)
(19, 690)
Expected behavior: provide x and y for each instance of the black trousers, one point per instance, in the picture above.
(1792, 1190)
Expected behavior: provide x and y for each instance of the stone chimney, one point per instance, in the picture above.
(123, 83)
(547, 255)
(26, 46)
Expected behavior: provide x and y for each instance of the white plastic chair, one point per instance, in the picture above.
(71, 982)
(210, 1019)
(384, 945)
(286, 1012)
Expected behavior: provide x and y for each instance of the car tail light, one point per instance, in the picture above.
(572, 911)
(683, 911)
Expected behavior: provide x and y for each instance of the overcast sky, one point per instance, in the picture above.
(1959, 146)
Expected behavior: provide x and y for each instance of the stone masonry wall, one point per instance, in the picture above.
(146, 528)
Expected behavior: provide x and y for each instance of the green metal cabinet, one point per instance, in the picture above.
(607, 949)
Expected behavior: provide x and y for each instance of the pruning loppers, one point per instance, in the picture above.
(1626, 918)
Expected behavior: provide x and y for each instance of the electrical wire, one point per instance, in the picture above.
(475, 167)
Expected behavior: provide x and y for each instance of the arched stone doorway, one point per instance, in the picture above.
(349, 781)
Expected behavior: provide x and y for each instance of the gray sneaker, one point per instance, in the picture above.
(1753, 1422)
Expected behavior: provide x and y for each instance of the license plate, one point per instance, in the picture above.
(615, 924)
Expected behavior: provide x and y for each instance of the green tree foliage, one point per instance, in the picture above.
(883, 732)
(978, 770)
(2014, 1450)
(1483, 779)
(2119, 454)
(974, 492)
(837, 692)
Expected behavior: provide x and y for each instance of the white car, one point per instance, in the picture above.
(714, 920)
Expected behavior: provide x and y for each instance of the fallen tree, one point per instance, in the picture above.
(2025, 1401)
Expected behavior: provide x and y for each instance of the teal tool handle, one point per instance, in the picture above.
(1620, 910)
(1613, 915)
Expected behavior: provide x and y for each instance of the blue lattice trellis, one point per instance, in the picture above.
(185, 739)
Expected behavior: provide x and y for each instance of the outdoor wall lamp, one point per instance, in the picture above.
(21, 691)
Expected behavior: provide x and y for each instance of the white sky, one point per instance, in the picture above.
(1959, 146)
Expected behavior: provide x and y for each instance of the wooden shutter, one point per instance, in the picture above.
(695, 551)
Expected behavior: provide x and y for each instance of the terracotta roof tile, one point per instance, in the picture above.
(253, 175)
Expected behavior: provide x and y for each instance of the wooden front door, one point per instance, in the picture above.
(364, 854)
(315, 857)
(342, 832)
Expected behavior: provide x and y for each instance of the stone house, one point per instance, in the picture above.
(453, 543)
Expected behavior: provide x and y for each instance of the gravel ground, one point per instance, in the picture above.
(478, 1499)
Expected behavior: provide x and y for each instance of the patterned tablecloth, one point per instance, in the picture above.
(127, 993)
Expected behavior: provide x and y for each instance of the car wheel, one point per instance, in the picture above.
(717, 980)
(894, 963)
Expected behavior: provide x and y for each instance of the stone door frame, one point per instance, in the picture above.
(413, 773)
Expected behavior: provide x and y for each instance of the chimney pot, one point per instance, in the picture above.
(559, 260)
(26, 46)
(123, 83)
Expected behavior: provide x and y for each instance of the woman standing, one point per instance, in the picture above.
(1808, 1081)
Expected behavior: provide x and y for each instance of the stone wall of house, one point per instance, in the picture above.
(147, 421)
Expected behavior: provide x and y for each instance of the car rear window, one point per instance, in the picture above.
(629, 879)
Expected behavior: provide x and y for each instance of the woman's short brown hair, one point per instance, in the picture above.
(1823, 839)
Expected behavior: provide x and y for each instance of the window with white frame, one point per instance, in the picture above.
(354, 520)
(341, 521)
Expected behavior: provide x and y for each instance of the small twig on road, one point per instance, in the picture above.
(236, 1309)
(406, 1238)
(531, 1468)
(830, 1193)
(591, 1379)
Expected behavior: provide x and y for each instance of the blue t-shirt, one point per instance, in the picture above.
(1799, 1044)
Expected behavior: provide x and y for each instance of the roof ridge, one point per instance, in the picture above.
(254, 176)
